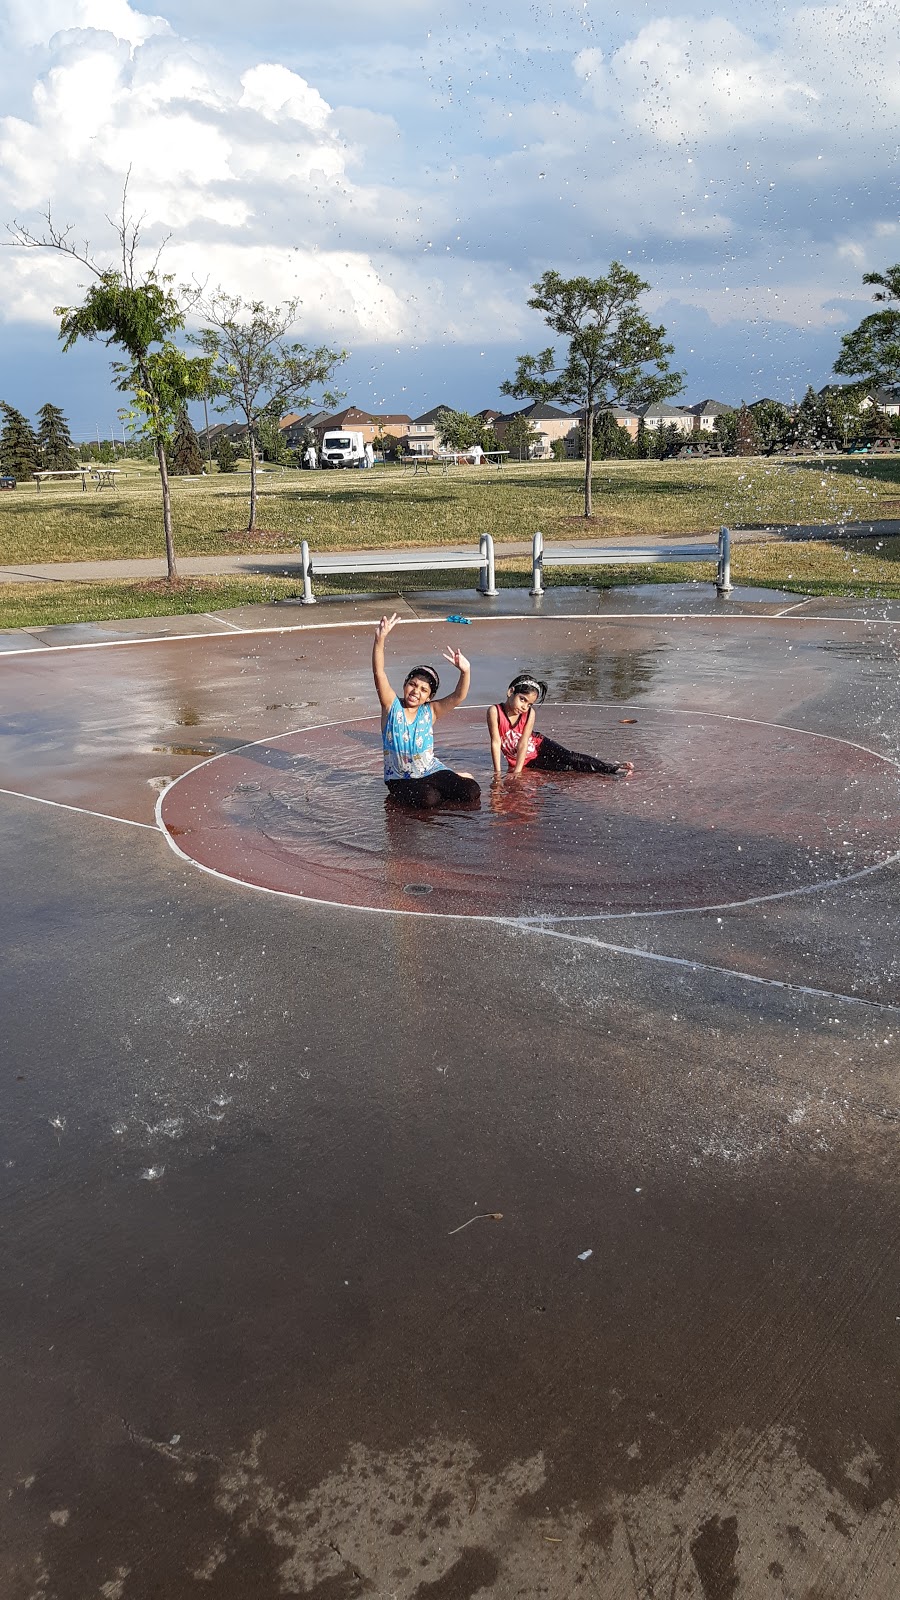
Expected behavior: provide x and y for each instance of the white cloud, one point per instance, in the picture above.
(685, 79)
(412, 185)
(280, 95)
(31, 24)
(249, 175)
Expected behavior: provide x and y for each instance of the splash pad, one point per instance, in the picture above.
(721, 810)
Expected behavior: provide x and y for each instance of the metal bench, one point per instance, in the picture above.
(605, 555)
(400, 561)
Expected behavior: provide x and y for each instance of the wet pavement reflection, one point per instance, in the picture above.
(719, 810)
(424, 1256)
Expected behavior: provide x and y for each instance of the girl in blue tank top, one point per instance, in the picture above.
(412, 772)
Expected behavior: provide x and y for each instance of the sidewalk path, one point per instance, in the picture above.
(249, 564)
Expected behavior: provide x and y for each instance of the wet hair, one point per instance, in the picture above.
(526, 683)
(428, 675)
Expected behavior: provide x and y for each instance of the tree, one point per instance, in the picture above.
(810, 424)
(840, 415)
(272, 442)
(139, 312)
(18, 445)
(520, 435)
(746, 437)
(388, 446)
(187, 459)
(642, 441)
(773, 424)
(256, 369)
(226, 455)
(610, 441)
(54, 440)
(459, 430)
(726, 430)
(871, 352)
(615, 355)
(659, 442)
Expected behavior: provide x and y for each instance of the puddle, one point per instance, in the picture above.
(700, 822)
(182, 750)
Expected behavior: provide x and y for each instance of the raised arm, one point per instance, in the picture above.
(457, 695)
(383, 689)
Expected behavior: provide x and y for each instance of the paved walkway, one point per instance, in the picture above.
(249, 563)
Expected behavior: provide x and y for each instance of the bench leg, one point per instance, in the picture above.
(309, 598)
(723, 570)
(487, 577)
(537, 562)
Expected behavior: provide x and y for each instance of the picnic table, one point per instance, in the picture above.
(495, 457)
(451, 458)
(876, 447)
(105, 476)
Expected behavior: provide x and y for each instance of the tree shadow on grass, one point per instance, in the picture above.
(868, 470)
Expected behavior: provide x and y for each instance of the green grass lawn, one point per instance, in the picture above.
(865, 568)
(391, 506)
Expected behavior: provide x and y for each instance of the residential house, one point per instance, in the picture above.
(660, 414)
(549, 423)
(397, 423)
(888, 401)
(626, 418)
(295, 429)
(423, 436)
(706, 414)
(235, 431)
(351, 418)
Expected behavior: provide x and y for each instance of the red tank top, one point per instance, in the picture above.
(510, 737)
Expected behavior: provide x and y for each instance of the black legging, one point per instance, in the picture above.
(553, 757)
(438, 788)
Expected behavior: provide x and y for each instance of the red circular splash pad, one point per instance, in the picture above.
(719, 810)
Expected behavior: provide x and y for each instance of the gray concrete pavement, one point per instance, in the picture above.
(248, 1347)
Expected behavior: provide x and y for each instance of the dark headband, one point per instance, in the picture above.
(428, 673)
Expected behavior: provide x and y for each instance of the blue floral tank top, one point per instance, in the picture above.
(409, 746)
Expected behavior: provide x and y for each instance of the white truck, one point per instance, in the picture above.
(343, 449)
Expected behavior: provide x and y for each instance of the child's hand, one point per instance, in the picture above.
(385, 626)
(458, 659)
(626, 768)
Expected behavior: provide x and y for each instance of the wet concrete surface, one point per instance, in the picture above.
(339, 610)
(699, 824)
(246, 1350)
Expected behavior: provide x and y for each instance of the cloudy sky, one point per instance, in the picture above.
(408, 170)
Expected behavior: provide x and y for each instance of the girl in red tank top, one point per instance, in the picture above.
(514, 735)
